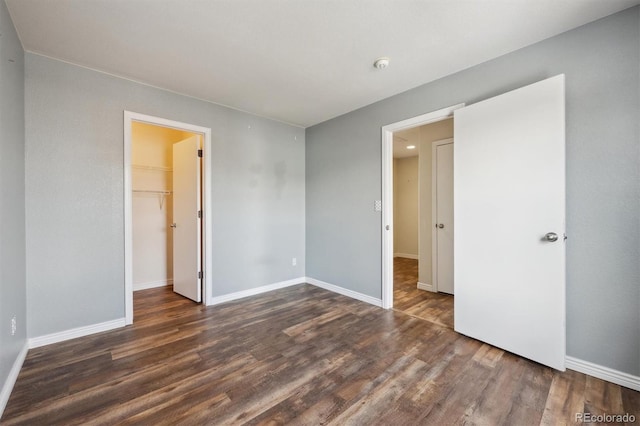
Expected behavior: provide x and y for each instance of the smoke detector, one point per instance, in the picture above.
(381, 63)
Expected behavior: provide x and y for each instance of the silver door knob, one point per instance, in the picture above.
(441, 225)
(173, 225)
(551, 237)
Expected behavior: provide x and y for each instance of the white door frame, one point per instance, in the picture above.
(434, 212)
(129, 118)
(387, 191)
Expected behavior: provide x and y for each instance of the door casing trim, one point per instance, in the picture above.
(207, 288)
(387, 191)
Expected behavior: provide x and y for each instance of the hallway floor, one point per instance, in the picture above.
(433, 307)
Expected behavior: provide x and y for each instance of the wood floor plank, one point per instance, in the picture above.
(565, 399)
(385, 394)
(300, 355)
(601, 396)
(529, 396)
(458, 399)
(497, 401)
(488, 355)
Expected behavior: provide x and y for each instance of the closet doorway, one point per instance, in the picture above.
(166, 208)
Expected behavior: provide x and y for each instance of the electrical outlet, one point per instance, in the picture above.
(377, 205)
(14, 325)
(294, 261)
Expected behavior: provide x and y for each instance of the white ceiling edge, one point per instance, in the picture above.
(280, 94)
(132, 80)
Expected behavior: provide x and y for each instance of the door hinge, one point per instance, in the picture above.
(199, 153)
(199, 214)
(200, 275)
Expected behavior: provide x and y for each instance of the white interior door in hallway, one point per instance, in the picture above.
(509, 207)
(443, 226)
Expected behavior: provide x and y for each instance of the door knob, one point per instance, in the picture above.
(173, 225)
(551, 237)
(441, 225)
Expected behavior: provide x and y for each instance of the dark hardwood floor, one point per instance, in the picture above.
(407, 298)
(299, 355)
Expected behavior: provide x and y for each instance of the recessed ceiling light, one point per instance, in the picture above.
(381, 63)
(411, 147)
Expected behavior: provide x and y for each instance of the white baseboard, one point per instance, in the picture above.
(13, 376)
(152, 284)
(275, 286)
(426, 287)
(254, 291)
(345, 292)
(406, 255)
(605, 373)
(61, 336)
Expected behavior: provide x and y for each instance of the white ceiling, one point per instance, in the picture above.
(300, 62)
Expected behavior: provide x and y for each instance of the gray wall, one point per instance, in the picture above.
(12, 239)
(601, 61)
(74, 193)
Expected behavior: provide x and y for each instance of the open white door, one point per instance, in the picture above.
(186, 219)
(509, 207)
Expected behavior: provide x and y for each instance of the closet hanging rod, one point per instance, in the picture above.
(155, 168)
(151, 191)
